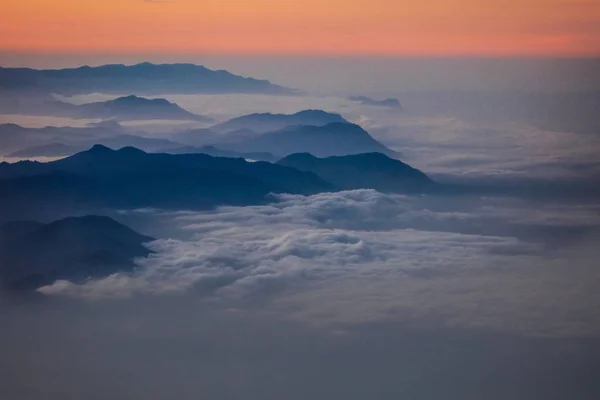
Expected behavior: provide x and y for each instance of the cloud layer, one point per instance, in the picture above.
(298, 240)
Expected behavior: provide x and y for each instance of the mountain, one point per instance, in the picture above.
(130, 178)
(16, 141)
(125, 108)
(76, 248)
(215, 152)
(369, 170)
(145, 78)
(137, 108)
(336, 139)
(14, 137)
(250, 126)
(26, 102)
(262, 123)
(140, 142)
(45, 150)
(205, 137)
(391, 103)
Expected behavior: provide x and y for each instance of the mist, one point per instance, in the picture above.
(484, 289)
(338, 295)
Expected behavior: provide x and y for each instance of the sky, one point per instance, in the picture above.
(303, 27)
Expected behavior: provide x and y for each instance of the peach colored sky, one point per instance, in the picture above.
(344, 27)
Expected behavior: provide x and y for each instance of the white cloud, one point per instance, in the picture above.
(300, 240)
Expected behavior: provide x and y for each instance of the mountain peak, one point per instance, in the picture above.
(133, 99)
(268, 122)
(317, 112)
(100, 149)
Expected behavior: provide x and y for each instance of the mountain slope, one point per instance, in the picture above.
(367, 101)
(45, 150)
(216, 152)
(262, 123)
(337, 139)
(136, 108)
(72, 248)
(131, 178)
(363, 171)
(144, 78)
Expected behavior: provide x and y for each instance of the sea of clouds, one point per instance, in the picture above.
(361, 253)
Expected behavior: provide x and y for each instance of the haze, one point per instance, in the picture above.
(268, 200)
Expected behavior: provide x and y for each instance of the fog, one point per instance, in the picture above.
(490, 294)
(351, 294)
(177, 347)
(366, 75)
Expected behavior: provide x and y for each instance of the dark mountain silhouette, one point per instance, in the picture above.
(262, 123)
(216, 152)
(336, 139)
(136, 108)
(17, 229)
(145, 78)
(369, 170)
(131, 178)
(391, 103)
(76, 248)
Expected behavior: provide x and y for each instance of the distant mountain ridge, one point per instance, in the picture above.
(334, 139)
(137, 108)
(144, 78)
(75, 248)
(216, 152)
(130, 178)
(267, 122)
(363, 171)
(45, 150)
(126, 108)
(367, 101)
(17, 141)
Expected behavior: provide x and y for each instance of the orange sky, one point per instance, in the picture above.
(434, 27)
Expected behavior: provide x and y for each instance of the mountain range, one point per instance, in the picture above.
(136, 108)
(130, 178)
(216, 152)
(17, 141)
(143, 79)
(267, 122)
(307, 131)
(363, 171)
(126, 108)
(367, 101)
(334, 139)
(33, 254)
